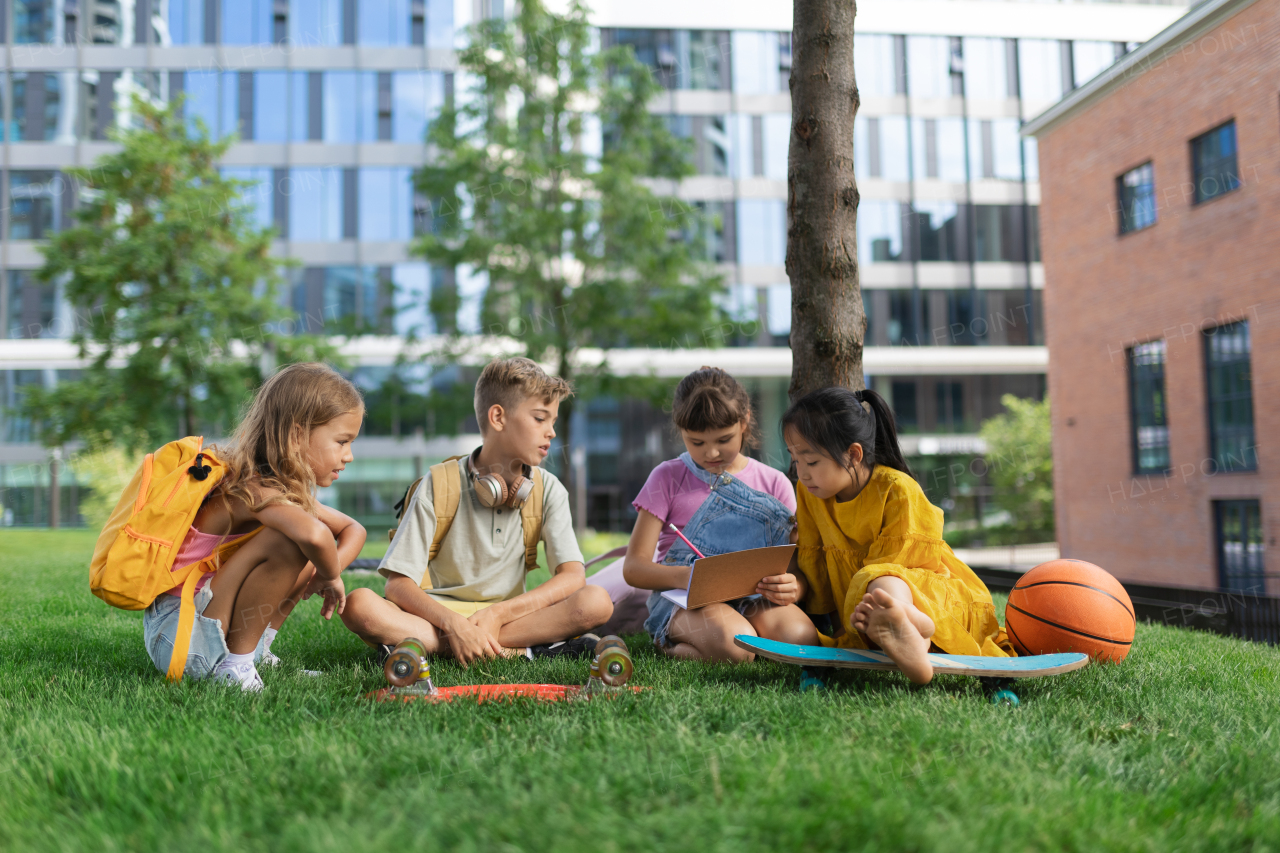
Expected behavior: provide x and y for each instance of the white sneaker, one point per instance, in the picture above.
(245, 674)
(269, 659)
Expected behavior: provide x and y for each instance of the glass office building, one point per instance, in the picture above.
(331, 99)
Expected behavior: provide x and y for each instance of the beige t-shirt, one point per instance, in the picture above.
(482, 557)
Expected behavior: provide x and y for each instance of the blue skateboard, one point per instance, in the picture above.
(993, 671)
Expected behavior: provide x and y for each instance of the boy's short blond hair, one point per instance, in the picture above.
(509, 382)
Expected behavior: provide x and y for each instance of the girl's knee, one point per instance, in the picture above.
(895, 586)
(798, 632)
(280, 550)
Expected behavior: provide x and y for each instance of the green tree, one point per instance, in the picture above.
(579, 250)
(174, 290)
(1020, 462)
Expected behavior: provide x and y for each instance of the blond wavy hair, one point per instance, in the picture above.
(266, 460)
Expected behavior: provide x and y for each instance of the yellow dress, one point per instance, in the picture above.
(890, 528)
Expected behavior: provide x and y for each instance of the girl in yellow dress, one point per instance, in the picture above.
(871, 543)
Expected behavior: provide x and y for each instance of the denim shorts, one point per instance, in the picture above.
(208, 642)
(662, 609)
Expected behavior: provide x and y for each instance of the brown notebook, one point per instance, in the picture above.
(733, 575)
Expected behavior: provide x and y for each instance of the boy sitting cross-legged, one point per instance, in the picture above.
(468, 599)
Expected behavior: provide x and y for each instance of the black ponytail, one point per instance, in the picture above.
(831, 419)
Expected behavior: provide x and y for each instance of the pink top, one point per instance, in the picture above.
(673, 494)
(196, 547)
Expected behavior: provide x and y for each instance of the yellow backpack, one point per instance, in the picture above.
(446, 494)
(135, 552)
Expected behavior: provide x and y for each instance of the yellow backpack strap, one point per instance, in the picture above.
(190, 578)
(531, 521)
(403, 507)
(446, 494)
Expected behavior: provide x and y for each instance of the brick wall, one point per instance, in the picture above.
(1196, 267)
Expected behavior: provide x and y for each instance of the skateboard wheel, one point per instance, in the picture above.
(615, 666)
(1005, 697)
(811, 680)
(407, 663)
(611, 641)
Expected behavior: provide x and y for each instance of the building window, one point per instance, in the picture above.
(281, 101)
(256, 194)
(879, 232)
(950, 406)
(1136, 193)
(42, 111)
(906, 325)
(1040, 77)
(350, 109)
(32, 306)
(186, 23)
(34, 21)
(212, 97)
(1213, 157)
(1230, 396)
(939, 230)
(343, 300)
(680, 59)
(385, 199)
(35, 204)
(1150, 438)
(904, 405)
(316, 204)
(710, 138)
(998, 231)
(1239, 530)
(384, 22)
(994, 149)
(761, 226)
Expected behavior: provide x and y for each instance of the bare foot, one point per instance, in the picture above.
(890, 627)
(862, 615)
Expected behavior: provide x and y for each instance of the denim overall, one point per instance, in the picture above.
(734, 517)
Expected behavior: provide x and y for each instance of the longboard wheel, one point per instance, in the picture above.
(611, 641)
(406, 663)
(811, 680)
(615, 666)
(1005, 697)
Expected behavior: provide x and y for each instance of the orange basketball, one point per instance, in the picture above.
(1070, 606)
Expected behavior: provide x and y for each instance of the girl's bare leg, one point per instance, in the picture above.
(707, 634)
(888, 617)
(785, 623)
(251, 587)
(294, 596)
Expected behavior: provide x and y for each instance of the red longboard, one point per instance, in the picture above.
(488, 693)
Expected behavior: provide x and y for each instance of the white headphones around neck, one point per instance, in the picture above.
(492, 490)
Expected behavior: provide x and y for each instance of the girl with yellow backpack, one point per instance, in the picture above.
(219, 545)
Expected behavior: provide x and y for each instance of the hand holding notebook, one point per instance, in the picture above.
(728, 576)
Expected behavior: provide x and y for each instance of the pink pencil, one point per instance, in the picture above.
(686, 540)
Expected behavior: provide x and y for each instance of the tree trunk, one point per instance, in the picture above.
(574, 467)
(828, 324)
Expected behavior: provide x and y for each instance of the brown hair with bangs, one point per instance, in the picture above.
(268, 450)
(709, 398)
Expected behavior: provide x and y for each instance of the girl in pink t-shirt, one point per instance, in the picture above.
(713, 413)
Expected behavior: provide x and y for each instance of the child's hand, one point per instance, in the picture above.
(333, 592)
(471, 643)
(486, 620)
(780, 589)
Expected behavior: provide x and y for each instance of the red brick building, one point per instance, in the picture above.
(1161, 205)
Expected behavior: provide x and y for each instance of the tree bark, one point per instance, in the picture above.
(828, 324)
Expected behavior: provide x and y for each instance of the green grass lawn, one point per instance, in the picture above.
(1178, 748)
